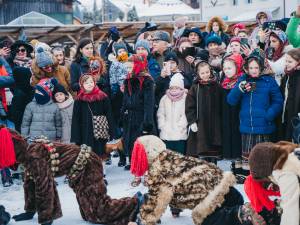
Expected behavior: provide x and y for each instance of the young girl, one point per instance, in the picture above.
(291, 93)
(91, 101)
(232, 70)
(42, 116)
(261, 102)
(217, 26)
(203, 112)
(171, 116)
(65, 102)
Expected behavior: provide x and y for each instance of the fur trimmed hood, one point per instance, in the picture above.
(220, 21)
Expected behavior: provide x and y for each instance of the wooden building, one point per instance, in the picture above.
(61, 10)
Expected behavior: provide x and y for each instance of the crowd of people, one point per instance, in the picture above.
(210, 94)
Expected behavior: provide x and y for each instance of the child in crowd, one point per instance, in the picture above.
(171, 117)
(291, 94)
(232, 70)
(203, 112)
(217, 27)
(261, 102)
(65, 102)
(91, 102)
(216, 51)
(42, 115)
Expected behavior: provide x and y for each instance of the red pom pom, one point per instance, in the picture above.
(139, 160)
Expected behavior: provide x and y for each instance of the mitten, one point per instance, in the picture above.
(194, 127)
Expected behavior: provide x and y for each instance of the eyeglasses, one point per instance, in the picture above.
(46, 67)
(21, 50)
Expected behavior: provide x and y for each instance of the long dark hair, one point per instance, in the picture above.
(83, 42)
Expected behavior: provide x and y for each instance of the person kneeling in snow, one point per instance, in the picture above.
(187, 183)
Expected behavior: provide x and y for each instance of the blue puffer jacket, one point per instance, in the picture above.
(260, 107)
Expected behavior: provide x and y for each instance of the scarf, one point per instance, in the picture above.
(258, 195)
(95, 95)
(3, 72)
(175, 95)
(229, 83)
(211, 80)
(23, 62)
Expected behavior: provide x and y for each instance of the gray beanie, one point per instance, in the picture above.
(117, 46)
(161, 36)
(143, 43)
(43, 58)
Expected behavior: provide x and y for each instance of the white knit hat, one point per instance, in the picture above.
(177, 81)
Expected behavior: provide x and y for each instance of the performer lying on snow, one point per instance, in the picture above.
(187, 183)
(43, 161)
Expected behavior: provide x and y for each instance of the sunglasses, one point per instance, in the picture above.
(21, 50)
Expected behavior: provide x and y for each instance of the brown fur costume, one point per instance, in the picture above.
(40, 190)
(181, 182)
(223, 26)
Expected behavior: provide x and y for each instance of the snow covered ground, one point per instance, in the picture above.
(119, 186)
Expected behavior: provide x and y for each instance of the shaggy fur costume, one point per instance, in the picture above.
(181, 182)
(40, 190)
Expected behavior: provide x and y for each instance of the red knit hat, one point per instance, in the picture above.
(7, 152)
(235, 39)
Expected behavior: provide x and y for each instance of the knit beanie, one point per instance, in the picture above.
(171, 56)
(213, 39)
(59, 88)
(43, 90)
(266, 157)
(117, 46)
(143, 43)
(177, 81)
(43, 58)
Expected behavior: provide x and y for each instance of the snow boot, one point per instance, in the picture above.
(24, 216)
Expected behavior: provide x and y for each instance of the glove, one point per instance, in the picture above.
(24, 216)
(194, 127)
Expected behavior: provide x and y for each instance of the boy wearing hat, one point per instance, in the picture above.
(42, 116)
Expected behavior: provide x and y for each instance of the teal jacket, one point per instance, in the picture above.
(292, 32)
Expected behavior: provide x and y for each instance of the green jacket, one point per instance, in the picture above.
(292, 32)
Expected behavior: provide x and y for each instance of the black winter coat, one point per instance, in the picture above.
(231, 136)
(137, 111)
(82, 125)
(79, 68)
(22, 95)
(292, 108)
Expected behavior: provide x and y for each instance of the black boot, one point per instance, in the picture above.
(4, 216)
(127, 167)
(122, 161)
(24, 216)
(48, 223)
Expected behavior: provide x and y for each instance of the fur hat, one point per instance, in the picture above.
(177, 81)
(162, 36)
(213, 39)
(266, 157)
(143, 43)
(43, 58)
(44, 89)
(145, 150)
(119, 45)
(171, 56)
(223, 26)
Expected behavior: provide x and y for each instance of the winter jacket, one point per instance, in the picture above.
(260, 107)
(76, 70)
(117, 73)
(42, 120)
(287, 179)
(82, 131)
(66, 110)
(6, 81)
(291, 95)
(292, 31)
(137, 110)
(162, 85)
(153, 67)
(172, 121)
(203, 107)
(22, 94)
(61, 73)
(278, 66)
